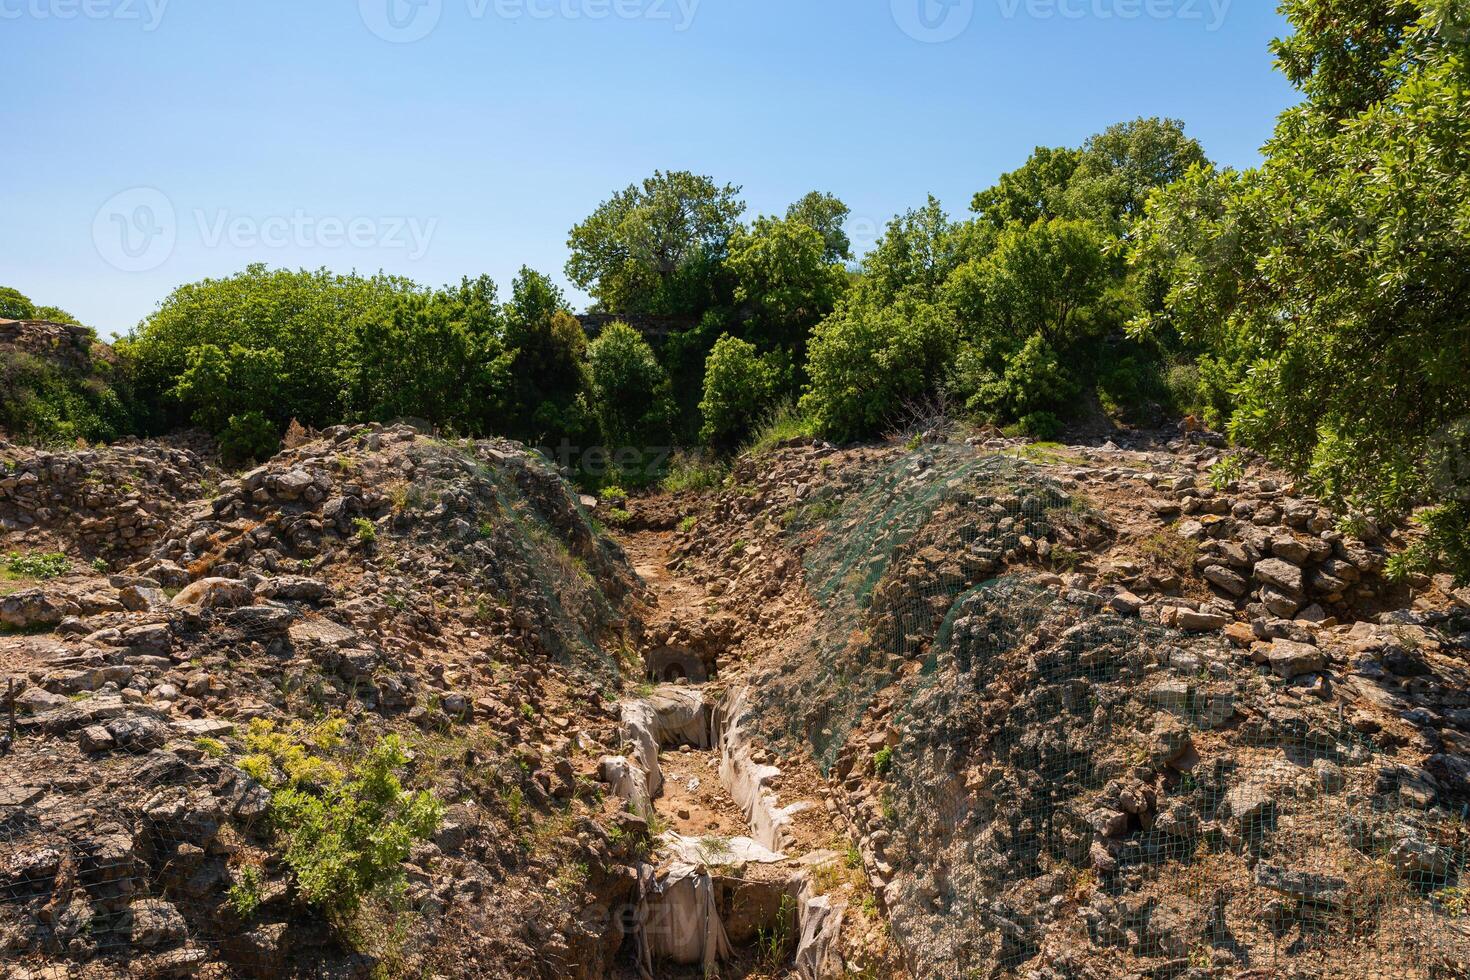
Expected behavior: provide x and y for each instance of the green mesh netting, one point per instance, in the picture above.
(1079, 793)
(543, 558)
(887, 556)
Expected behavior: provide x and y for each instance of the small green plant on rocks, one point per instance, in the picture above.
(1227, 471)
(46, 565)
(245, 893)
(346, 825)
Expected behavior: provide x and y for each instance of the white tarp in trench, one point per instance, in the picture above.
(720, 851)
(680, 921)
(669, 716)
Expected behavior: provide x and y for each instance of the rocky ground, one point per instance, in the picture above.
(1107, 711)
(961, 707)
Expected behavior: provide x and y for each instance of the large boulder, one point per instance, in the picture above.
(214, 593)
(1290, 659)
(30, 609)
(1280, 575)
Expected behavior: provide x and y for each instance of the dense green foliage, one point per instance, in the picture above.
(320, 348)
(870, 362)
(15, 305)
(345, 826)
(1034, 289)
(628, 388)
(740, 388)
(656, 247)
(1330, 285)
(56, 402)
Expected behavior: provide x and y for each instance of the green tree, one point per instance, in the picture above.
(740, 387)
(1119, 167)
(15, 305)
(218, 384)
(826, 215)
(656, 247)
(310, 318)
(1332, 279)
(1032, 192)
(439, 356)
(1348, 55)
(867, 361)
(785, 279)
(549, 370)
(916, 253)
(1045, 278)
(628, 389)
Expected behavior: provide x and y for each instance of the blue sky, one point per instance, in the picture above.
(154, 142)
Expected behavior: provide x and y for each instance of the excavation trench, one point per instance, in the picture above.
(707, 890)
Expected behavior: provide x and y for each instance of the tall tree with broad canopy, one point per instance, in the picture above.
(826, 215)
(656, 247)
(784, 280)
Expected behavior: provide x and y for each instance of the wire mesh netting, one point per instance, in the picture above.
(1072, 791)
(115, 854)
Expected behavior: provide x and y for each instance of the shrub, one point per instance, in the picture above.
(43, 566)
(1040, 425)
(367, 531)
(245, 893)
(345, 831)
(1032, 381)
(248, 438)
(740, 386)
(1229, 469)
(1129, 384)
(47, 405)
(629, 390)
(693, 473)
(867, 361)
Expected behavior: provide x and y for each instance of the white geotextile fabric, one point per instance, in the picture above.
(628, 782)
(717, 851)
(680, 921)
(747, 781)
(820, 916)
(672, 715)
